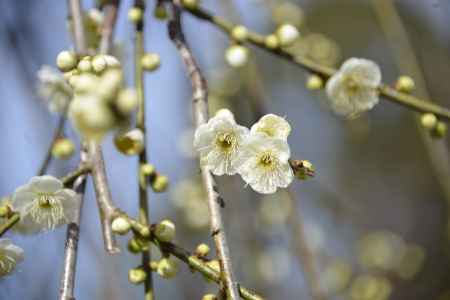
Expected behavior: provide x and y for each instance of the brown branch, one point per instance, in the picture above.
(200, 106)
(258, 40)
(71, 246)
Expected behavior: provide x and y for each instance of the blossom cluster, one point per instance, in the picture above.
(260, 155)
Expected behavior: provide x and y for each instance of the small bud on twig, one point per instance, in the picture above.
(165, 231)
(120, 225)
(303, 169)
(137, 276)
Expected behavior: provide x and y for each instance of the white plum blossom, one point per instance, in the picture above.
(219, 143)
(43, 204)
(265, 163)
(272, 126)
(10, 256)
(353, 89)
(53, 88)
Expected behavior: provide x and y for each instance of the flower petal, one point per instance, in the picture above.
(45, 184)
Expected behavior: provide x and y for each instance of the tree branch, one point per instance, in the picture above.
(200, 106)
(71, 246)
(258, 40)
(144, 217)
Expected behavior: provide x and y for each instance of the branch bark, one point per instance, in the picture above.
(200, 106)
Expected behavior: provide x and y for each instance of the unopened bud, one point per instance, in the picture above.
(303, 169)
(63, 148)
(167, 268)
(191, 4)
(135, 14)
(137, 276)
(127, 101)
(150, 61)
(134, 246)
(130, 142)
(236, 56)
(99, 64)
(405, 84)
(440, 130)
(271, 41)
(239, 33)
(210, 297)
(85, 65)
(121, 225)
(202, 250)
(314, 82)
(160, 183)
(66, 61)
(428, 121)
(165, 231)
(287, 35)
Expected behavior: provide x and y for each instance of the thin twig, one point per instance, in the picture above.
(144, 215)
(199, 265)
(48, 156)
(258, 40)
(9, 223)
(200, 106)
(71, 246)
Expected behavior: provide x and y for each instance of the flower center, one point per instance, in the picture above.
(352, 84)
(267, 160)
(47, 209)
(226, 140)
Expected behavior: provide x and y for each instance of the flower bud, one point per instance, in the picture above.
(202, 250)
(405, 84)
(150, 61)
(191, 4)
(428, 121)
(440, 130)
(239, 33)
(303, 169)
(63, 148)
(160, 183)
(127, 101)
(210, 297)
(99, 64)
(236, 56)
(66, 61)
(91, 117)
(271, 41)
(137, 276)
(287, 35)
(314, 82)
(160, 12)
(135, 14)
(165, 231)
(85, 65)
(134, 246)
(130, 142)
(121, 226)
(167, 268)
(153, 265)
(147, 170)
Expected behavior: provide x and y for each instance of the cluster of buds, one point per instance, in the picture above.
(148, 174)
(100, 103)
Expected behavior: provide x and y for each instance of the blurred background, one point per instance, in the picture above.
(373, 222)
